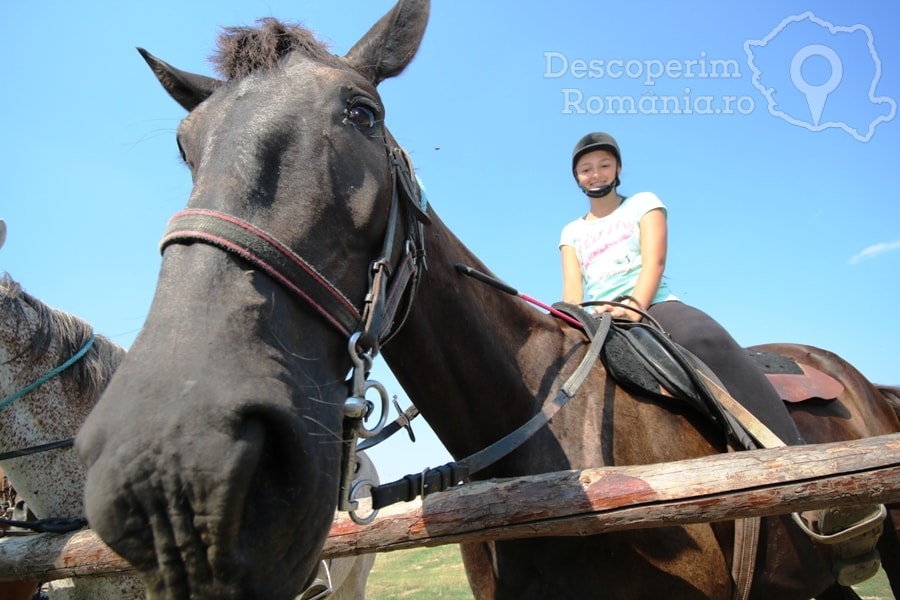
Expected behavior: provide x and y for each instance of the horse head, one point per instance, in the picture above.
(213, 456)
(52, 369)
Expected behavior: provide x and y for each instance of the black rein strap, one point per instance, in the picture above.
(49, 525)
(37, 449)
(455, 473)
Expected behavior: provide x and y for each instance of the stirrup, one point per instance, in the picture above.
(321, 587)
(851, 533)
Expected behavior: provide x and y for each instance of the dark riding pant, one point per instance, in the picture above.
(744, 380)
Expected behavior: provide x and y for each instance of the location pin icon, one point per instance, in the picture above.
(816, 95)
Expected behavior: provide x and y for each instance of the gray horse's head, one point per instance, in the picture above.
(214, 454)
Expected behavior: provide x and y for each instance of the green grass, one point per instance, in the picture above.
(419, 573)
(426, 573)
(876, 588)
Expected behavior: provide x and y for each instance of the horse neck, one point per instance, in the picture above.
(471, 358)
(51, 482)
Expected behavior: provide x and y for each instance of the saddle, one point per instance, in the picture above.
(642, 359)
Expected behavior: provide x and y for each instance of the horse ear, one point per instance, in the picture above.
(392, 42)
(187, 89)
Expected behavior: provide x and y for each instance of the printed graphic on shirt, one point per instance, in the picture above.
(605, 250)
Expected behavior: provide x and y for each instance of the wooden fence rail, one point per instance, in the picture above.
(569, 503)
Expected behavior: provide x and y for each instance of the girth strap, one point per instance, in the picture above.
(716, 404)
(452, 474)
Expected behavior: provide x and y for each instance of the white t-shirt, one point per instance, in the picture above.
(609, 249)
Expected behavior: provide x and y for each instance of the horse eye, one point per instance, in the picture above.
(181, 152)
(362, 116)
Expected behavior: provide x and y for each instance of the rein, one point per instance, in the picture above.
(455, 473)
(48, 376)
(37, 449)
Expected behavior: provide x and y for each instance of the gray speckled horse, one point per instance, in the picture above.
(34, 340)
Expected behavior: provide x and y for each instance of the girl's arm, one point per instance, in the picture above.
(573, 291)
(654, 244)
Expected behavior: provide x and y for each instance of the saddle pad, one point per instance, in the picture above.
(796, 382)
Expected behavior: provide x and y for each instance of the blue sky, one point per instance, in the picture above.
(783, 226)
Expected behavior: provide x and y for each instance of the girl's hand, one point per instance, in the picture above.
(617, 312)
(622, 313)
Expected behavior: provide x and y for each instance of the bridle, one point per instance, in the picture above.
(393, 278)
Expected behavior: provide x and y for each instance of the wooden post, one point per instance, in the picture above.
(569, 503)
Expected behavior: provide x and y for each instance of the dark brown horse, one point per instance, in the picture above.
(236, 382)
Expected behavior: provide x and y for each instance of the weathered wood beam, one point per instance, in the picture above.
(569, 503)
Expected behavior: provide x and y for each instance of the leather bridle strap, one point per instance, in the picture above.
(390, 283)
(268, 254)
(393, 281)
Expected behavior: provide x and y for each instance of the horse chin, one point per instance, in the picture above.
(216, 534)
(221, 521)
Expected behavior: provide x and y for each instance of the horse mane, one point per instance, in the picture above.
(93, 371)
(245, 50)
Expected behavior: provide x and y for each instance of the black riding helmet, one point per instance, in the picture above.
(596, 141)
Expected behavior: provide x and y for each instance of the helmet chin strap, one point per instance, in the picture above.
(600, 191)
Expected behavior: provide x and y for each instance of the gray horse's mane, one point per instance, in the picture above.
(93, 371)
(245, 50)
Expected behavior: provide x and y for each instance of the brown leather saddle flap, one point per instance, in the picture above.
(811, 383)
(795, 381)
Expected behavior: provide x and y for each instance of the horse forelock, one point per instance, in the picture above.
(246, 50)
(92, 372)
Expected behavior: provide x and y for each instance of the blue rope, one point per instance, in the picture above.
(10, 399)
